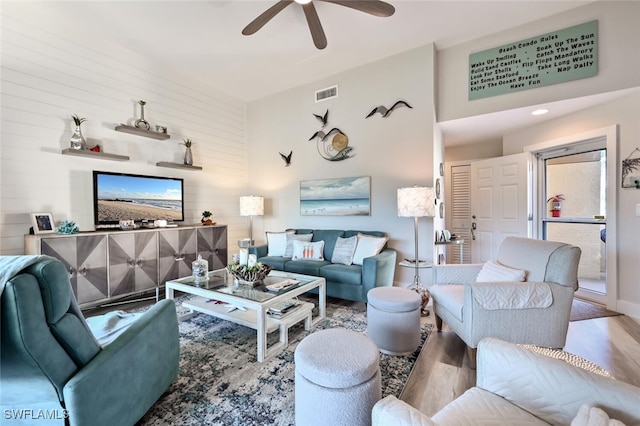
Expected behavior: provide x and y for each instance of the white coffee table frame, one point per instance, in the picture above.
(255, 316)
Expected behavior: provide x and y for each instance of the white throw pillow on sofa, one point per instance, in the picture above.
(344, 250)
(303, 250)
(368, 246)
(277, 243)
(494, 271)
(288, 252)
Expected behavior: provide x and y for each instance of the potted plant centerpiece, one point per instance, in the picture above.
(556, 204)
(206, 218)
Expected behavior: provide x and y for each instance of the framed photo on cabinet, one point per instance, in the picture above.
(42, 223)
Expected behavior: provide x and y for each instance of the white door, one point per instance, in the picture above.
(499, 203)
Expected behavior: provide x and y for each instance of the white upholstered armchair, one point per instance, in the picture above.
(522, 296)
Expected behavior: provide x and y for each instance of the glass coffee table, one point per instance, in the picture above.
(254, 306)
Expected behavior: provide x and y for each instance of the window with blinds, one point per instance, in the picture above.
(460, 212)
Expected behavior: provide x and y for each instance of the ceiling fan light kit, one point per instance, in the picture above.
(372, 7)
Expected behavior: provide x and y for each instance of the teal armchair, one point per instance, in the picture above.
(53, 371)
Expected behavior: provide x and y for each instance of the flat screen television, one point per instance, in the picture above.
(122, 196)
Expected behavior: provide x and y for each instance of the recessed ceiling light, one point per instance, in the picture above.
(540, 111)
(302, 1)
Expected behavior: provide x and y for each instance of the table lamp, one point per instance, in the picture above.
(251, 205)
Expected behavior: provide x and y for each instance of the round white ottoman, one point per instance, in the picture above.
(337, 378)
(393, 319)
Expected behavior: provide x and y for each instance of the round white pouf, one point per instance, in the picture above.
(337, 378)
(393, 319)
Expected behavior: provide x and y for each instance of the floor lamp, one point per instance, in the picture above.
(250, 205)
(416, 202)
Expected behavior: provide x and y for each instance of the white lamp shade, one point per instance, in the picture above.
(251, 205)
(416, 201)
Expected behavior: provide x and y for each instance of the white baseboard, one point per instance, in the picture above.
(628, 308)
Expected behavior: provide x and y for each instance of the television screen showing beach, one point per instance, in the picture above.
(125, 197)
(336, 197)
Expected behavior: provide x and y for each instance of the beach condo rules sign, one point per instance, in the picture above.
(565, 55)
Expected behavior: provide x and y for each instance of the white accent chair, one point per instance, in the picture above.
(535, 311)
(516, 386)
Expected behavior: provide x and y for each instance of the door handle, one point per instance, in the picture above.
(473, 228)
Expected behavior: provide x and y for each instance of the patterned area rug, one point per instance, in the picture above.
(581, 310)
(221, 383)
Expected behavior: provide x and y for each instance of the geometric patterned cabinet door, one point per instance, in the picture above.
(177, 250)
(85, 259)
(212, 245)
(133, 262)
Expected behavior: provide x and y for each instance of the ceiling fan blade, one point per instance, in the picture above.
(372, 7)
(265, 17)
(317, 33)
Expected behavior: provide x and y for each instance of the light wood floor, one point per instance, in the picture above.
(442, 372)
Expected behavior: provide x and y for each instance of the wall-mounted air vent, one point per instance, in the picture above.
(328, 93)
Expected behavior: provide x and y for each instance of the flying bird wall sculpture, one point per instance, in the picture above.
(385, 112)
(286, 158)
(331, 145)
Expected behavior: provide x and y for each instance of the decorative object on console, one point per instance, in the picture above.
(286, 158)
(188, 156)
(385, 112)
(141, 122)
(77, 141)
(95, 148)
(161, 129)
(334, 149)
(630, 165)
(416, 202)
(325, 197)
(372, 7)
(206, 218)
(67, 227)
(42, 223)
(251, 205)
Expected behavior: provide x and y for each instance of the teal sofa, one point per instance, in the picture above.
(53, 371)
(349, 282)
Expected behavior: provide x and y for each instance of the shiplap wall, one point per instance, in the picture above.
(49, 73)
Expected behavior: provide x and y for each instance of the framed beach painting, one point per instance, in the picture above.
(349, 196)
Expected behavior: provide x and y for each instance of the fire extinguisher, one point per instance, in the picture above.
(556, 204)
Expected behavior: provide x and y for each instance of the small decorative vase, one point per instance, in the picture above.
(188, 157)
(77, 140)
(200, 270)
(141, 122)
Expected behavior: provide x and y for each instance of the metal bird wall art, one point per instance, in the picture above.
(385, 112)
(286, 158)
(331, 145)
(323, 118)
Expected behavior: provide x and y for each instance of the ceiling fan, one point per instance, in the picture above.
(372, 7)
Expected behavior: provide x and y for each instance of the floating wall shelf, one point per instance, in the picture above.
(141, 132)
(177, 165)
(99, 155)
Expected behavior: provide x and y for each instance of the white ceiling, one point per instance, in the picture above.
(202, 40)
